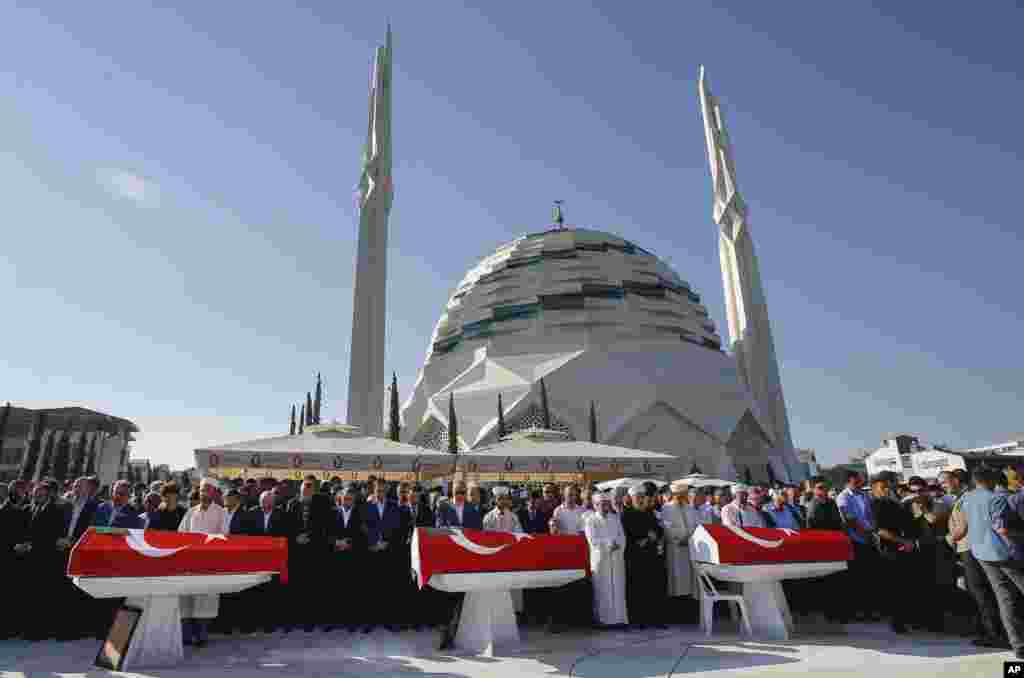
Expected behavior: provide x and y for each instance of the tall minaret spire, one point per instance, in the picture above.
(749, 328)
(366, 380)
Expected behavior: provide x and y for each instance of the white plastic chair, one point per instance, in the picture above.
(709, 595)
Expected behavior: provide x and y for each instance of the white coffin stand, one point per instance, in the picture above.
(770, 618)
(157, 638)
(488, 618)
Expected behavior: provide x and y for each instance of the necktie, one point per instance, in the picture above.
(739, 517)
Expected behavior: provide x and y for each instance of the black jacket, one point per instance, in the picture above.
(254, 523)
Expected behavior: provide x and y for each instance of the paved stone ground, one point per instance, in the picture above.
(862, 650)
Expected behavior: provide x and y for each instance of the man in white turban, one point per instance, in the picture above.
(197, 611)
(502, 519)
(679, 525)
(607, 541)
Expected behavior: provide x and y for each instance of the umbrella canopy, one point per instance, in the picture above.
(702, 480)
(610, 485)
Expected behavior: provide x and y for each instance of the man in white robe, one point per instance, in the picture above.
(197, 611)
(502, 519)
(607, 541)
(679, 525)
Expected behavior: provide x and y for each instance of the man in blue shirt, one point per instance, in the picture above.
(781, 513)
(855, 508)
(987, 524)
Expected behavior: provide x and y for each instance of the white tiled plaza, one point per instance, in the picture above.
(864, 649)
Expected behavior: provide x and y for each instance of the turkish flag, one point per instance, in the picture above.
(723, 545)
(451, 551)
(112, 552)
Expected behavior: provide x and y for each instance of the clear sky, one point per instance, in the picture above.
(178, 226)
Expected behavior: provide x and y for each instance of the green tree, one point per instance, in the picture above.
(453, 426)
(395, 429)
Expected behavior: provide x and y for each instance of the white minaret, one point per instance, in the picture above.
(366, 368)
(749, 329)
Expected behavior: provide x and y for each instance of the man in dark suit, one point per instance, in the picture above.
(122, 513)
(460, 513)
(382, 524)
(13, 531)
(422, 610)
(533, 520)
(537, 602)
(348, 541)
(44, 562)
(264, 603)
(309, 550)
(87, 615)
(234, 607)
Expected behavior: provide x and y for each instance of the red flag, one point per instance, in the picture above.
(111, 552)
(723, 545)
(451, 551)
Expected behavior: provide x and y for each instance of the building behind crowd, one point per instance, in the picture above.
(906, 456)
(102, 440)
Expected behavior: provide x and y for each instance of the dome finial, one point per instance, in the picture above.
(559, 217)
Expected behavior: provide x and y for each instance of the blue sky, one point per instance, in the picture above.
(178, 224)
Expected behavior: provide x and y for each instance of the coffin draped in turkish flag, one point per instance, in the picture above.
(112, 552)
(723, 545)
(461, 551)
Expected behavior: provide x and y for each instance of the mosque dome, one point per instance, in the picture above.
(573, 287)
(599, 319)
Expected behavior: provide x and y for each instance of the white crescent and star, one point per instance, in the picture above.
(136, 541)
(460, 539)
(764, 543)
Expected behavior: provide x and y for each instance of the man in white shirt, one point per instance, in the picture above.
(502, 519)
(738, 512)
(572, 603)
(568, 517)
(197, 611)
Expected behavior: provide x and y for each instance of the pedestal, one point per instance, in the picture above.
(770, 618)
(488, 620)
(157, 637)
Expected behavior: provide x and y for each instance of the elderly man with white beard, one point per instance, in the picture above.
(607, 541)
(198, 611)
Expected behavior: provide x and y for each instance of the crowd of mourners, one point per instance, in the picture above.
(926, 556)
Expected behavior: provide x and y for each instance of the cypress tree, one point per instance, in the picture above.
(46, 461)
(748, 477)
(453, 426)
(501, 420)
(593, 423)
(396, 424)
(319, 398)
(62, 457)
(771, 474)
(694, 469)
(309, 409)
(545, 412)
(90, 464)
(28, 463)
(302, 419)
(291, 427)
